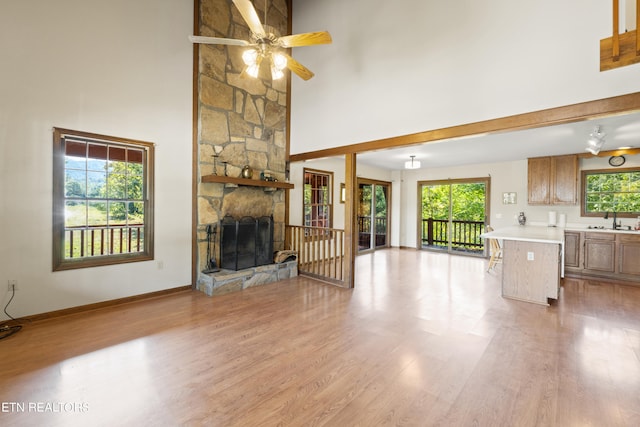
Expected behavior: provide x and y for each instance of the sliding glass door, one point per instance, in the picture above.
(453, 214)
(373, 214)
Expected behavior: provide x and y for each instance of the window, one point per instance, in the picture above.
(318, 188)
(611, 191)
(102, 200)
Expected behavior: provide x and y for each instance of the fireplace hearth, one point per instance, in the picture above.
(246, 242)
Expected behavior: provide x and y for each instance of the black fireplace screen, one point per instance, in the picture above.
(246, 243)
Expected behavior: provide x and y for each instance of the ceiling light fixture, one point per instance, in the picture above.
(253, 58)
(412, 164)
(278, 64)
(267, 45)
(595, 141)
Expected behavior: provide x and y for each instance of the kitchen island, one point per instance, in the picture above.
(533, 262)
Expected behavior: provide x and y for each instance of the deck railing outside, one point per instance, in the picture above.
(364, 224)
(103, 240)
(364, 231)
(465, 235)
(320, 251)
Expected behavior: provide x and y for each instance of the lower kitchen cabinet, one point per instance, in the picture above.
(528, 277)
(572, 249)
(629, 254)
(601, 254)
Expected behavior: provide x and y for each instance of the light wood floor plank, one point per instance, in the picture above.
(425, 339)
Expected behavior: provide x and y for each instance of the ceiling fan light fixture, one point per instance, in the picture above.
(253, 70)
(276, 73)
(265, 42)
(279, 61)
(250, 56)
(412, 164)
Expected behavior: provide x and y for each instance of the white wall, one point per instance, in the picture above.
(505, 177)
(120, 68)
(405, 66)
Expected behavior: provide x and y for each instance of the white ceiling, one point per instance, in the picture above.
(620, 130)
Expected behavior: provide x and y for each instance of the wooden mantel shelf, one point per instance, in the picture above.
(247, 182)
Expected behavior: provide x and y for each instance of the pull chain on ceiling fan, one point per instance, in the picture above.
(266, 44)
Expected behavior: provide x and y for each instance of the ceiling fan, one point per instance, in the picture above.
(266, 44)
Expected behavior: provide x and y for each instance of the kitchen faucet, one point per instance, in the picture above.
(615, 225)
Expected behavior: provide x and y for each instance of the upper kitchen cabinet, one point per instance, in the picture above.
(553, 180)
(539, 181)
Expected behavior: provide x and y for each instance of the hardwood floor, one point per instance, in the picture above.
(424, 339)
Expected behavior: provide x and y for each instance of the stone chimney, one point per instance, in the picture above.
(241, 121)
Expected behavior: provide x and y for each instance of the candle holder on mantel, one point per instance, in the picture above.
(215, 166)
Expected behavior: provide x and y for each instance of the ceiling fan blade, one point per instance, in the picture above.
(303, 72)
(250, 15)
(306, 39)
(218, 40)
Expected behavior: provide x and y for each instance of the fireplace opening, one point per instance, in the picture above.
(246, 242)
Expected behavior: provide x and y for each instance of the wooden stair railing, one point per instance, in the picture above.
(621, 49)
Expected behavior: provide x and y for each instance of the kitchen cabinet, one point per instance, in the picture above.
(531, 262)
(572, 249)
(530, 271)
(539, 180)
(612, 255)
(553, 180)
(599, 252)
(629, 254)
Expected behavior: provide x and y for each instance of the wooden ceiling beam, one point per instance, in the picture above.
(622, 104)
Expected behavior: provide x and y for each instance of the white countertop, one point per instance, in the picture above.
(602, 230)
(528, 233)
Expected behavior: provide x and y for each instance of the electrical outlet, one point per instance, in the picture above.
(530, 256)
(12, 285)
(160, 265)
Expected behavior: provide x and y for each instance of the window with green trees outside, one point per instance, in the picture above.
(611, 191)
(102, 200)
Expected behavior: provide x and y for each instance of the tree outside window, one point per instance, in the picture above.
(611, 191)
(102, 210)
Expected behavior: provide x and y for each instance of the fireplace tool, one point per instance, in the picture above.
(212, 266)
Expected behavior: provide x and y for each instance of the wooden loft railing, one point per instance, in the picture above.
(620, 50)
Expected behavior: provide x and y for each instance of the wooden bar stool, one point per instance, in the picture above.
(495, 250)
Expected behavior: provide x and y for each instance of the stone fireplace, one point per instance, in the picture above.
(241, 122)
(246, 242)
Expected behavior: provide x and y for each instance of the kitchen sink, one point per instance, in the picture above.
(602, 228)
